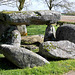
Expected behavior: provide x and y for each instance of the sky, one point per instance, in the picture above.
(36, 5)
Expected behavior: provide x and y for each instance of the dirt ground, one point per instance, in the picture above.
(67, 18)
(70, 73)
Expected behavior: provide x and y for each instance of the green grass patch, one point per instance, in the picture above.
(37, 29)
(35, 50)
(1, 56)
(54, 68)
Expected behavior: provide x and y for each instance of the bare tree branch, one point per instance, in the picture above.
(59, 3)
(20, 4)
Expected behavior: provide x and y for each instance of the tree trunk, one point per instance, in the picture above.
(21, 4)
(50, 7)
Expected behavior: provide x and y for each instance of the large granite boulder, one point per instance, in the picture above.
(66, 32)
(22, 57)
(57, 50)
(50, 33)
(30, 17)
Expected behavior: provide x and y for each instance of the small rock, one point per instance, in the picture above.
(58, 49)
(22, 57)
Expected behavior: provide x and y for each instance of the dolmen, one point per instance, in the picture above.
(11, 38)
(56, 45)
(8, 19)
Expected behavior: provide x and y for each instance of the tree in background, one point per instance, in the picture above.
(20, 4)
(56, 4)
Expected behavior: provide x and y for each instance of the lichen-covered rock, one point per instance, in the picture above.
(50, 33)
(30, 17)
(57, 50)
(16, 38)
(66, 32)
(22, 57)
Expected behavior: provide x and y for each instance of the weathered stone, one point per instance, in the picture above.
(12, 36)
(66, 32)
(6, 37)
(57, 50)
(30, 17)
(50, 33)
(16, 38)
(32, 39)
(22, 57)
(22, 29)
(31, 47)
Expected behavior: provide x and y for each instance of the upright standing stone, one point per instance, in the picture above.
(22, 29)
(16, 38)
(50, 33)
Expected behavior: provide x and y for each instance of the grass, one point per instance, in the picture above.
(37, 29)
(54, 68)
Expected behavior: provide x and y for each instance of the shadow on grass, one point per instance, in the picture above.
(6, 64)
(52, 58)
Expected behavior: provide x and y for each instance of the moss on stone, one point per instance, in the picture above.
(45, 47)
(37, 13)
(25, 42)
(52, 46)
(24, 12)
(35, 50)
(10, 12)
(49, 46)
